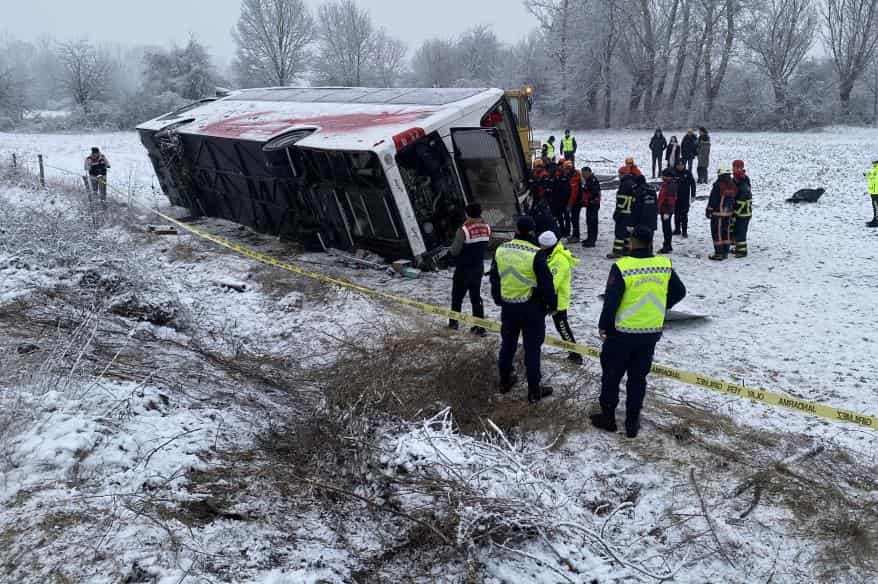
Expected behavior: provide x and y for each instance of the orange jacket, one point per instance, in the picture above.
(575, 188)
(630, 170)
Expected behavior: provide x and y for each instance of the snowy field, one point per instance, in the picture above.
(125, 468)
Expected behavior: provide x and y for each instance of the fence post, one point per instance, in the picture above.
(42, 171)
(14, 161)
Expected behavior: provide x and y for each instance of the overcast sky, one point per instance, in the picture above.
(161, 21)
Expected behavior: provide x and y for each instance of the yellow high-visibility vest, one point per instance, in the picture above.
(644, 303)
(550, 151)
(872, 177)
(567, 144)
(561, 264)
(515, 264)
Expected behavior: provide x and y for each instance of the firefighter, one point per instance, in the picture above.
(629, 168)
(872, 178)
(622, 214)
(549, 154)
(96, 165)
(561, 264)
(743, 208)
(568, 147)
(560, 197)
(574, 202)
(640, 290)
(521, 284)
(468, 248)
(591, 200)
(667, 204)
(720, 209)
(686, 189)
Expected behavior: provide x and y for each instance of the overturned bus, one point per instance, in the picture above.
(388, 170)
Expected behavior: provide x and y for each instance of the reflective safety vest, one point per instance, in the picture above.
(644, 303)
(550, 151)
(567, 144)
(561, 264)
(872, 177)
(515, 264)
(476, 231)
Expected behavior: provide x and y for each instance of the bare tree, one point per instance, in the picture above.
(347, 43)
(86, 73)
(273, 37)
(720, 19)
(388, 59)
(780, 33)
(851, 36)
(556, 18)
(683, 49)
(433, 64)
(478, 54)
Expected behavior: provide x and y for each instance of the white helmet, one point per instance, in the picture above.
(724, 169)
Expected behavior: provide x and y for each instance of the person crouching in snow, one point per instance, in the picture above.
(667, 203)
(561, 264)
(720, 208)
(743, 209)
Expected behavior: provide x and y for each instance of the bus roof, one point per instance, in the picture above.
(343, 118)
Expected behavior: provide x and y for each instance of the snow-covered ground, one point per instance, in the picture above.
(108, 463)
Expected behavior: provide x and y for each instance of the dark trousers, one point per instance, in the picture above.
(625, 354)
(720, 231)
(702, 175)
(575, 215)
(875, 207)
(467, 281)
(562, 325)
(656, 163)
(681, 221)
(527, 320)
(571, 156)
(620, 243)
(591, 224)
(739, 235)
(667, 231)
(562, 217)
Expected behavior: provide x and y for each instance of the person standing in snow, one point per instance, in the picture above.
(720, 209)
(644, 210)
(689, 148)
(672, 153)
(657, 146)
(568, 147)
(560, 199)
(468, 248)
(541, 212)
(685, 195)
(549, 153)
(640, 290)
(703, 155)
(591, 200)
(96, 165)
(743, 208)
(574, 203)
(667, 206)
(872, 178)
(561, 264)
(521, 284)
(622, 214)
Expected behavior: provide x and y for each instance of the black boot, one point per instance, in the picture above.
(453, 325)
(535, 394)
(508, 383)
(632, 425)
(872, 223)
(575, 358)
(479, 331)
(604, 421)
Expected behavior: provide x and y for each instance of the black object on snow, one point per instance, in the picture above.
(806, 196)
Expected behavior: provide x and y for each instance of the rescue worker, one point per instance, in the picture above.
(561, 264)
(541, 212)
(667, 205)
(521, 284)
(591, 200)
(622, 214)
(686, 189)
(549, 154)
(640, 290)
(645, 207)
(468, 248)
(872, 178)
(657, 145)
(568, 147)
(560, 198)
(689, 148)
(743, 208)
(629, 168)
(720, 209)
(574, 203)
(96, 165)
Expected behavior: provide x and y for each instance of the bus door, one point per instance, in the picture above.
(487, 175)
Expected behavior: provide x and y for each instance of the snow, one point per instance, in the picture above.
(85, 454)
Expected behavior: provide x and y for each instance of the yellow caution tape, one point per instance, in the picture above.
(716, 385)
